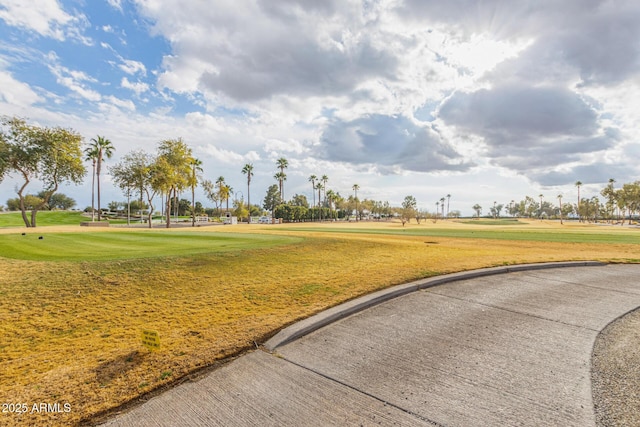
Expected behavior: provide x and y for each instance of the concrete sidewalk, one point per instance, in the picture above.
(483, 349)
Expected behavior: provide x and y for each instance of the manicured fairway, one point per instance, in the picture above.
(73, 304)
(127, 244)
(43, 219)
(513, 232)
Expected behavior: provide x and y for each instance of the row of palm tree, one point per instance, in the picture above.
(99, 148)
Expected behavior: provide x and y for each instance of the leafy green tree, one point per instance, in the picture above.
(272, 198)
(133, 176)
(299, 200)
(211, 193)
(496, 209)
(609, 193)
(409, 208)
(57, 201)
(52, 156)
(240, 209)
(172, 170)
(478, 210)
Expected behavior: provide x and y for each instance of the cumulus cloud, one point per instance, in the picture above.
(392, 142)
(15, 92)
(284, 49)
(529, 129)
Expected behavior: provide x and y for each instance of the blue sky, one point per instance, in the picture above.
(484, 100)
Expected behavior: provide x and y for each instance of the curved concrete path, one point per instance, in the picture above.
(481, 350)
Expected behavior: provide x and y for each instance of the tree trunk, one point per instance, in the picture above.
(193, 206)
(168, 208)
(93, 190)
(23, 208)
(98, 180)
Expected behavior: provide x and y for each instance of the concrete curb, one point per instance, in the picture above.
(348, 308)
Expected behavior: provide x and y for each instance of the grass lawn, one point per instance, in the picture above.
(72, 305)
(43, 218)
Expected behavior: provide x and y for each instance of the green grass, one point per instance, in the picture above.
(90, 246)
(504, 221)
(43, 218)
(630, 236)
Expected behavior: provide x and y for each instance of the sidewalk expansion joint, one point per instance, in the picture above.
(349, 386)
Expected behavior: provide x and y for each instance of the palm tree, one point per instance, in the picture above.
(355, 188)
(196, 166)
(104, 148)
(280, 177)
(560, 201)
(225, 193)
(437, 209)
(324, 180)
(442, 206)
(282, 163)
(91, 154)
(319, 188)
(248, 170)
(578, 184)
(312, 180)
(331, 196)
(541, 196)
(448, 198)
(221, 191)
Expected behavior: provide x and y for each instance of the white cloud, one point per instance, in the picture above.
(74, 80)
(116, 4)
(223, 155)
(45, 17)
(15, 92)
(137, 87)
(132, 67)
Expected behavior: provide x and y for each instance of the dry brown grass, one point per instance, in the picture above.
(71, 330)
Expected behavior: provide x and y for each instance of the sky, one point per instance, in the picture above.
(488, 100)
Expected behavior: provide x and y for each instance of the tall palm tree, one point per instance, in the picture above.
(578, 184)
(541, 196)
(448, 198)
(221, 191)
(104, 148)
(196, 166)
(324, 180)
(91, 155)
(225, 193)
(442, 206)
(331, 196)
(560, 201)
(319, 188)
(282, 164)
(248, 170)
(312, 180)
(280, 177)
(355, 188)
